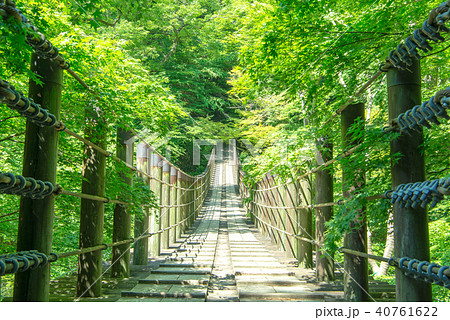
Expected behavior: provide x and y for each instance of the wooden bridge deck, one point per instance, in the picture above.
(222, 258)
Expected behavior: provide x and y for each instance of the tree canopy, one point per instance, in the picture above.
(268, 73)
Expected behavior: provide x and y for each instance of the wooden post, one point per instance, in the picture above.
(186, 199)
(292, 201)
(142, 222)
(40, 162)
(165, 201)
(92, 212)
(174, 218)
(191, 186)
(305, 249)
(154, 242)
(410, 224)
(179, 202)
(195, 195)
(356, 278)
(122, 217)
(324, 194)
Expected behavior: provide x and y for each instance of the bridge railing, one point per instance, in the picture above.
(178, 195)
(284, 210)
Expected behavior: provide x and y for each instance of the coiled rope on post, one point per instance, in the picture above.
(15, 100)
(420, 193)
(421, 115)
(34, 38)
(402, 56)
(26, 187)
(23, 261)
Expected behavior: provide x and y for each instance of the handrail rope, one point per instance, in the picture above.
(34, 38)
(27, 108)
(270, 214)
(37, 189)
(401, 57)
(44, 47)
(314, 170)
(129, 241)
(313, 242)
(424, 270)
(41, 45)
(421, 115)
(321, 205)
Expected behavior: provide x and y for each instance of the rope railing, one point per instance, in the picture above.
(312, 241)
(27, 108)
(38, 41)
(20, 262)
(189, 197)
(421, 270)
(431, 30)
(422, 115)
(322, 205)
(402, 56)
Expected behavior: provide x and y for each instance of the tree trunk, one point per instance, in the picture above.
(373, 264)
(389, 248)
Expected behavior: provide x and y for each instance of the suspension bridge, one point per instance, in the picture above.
(213, 237)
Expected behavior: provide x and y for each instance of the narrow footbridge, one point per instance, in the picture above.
(222, 257)
(218, 236)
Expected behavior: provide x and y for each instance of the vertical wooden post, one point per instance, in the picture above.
(122, 217)
(195, 195)
(324, 194)
(92, 212)
(198, 194)
(165, 201)
(305, 255)
(292, 201)
(154, 242)
(410, 224)
(40, 162)
(141, 222)
(174, 211)
(179, 202)
(191, 186)
(356, 279)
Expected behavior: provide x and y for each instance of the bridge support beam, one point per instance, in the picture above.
(142, 221)
(40, 158)
(324, 194)
(165, 201)
(356, 278)
(92, 212)
(191, 212)
(122, 217)
(305, 255)
(155, 219)
(179, 202)
(410, 224)
(174, 217)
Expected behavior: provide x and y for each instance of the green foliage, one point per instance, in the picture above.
(267, 73)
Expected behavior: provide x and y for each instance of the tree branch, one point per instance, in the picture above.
(106, 23)
(12, 136)
(176, 41)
